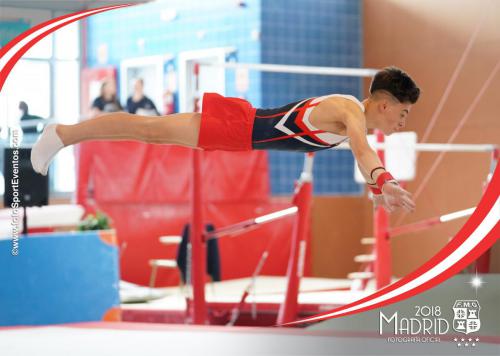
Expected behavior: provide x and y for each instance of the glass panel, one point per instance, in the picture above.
(66, 91)
(66, 110)
(28, 81)
(67, 42)
(41, 50)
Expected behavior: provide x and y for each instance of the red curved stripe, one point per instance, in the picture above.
(10, 64)
(485, 205)
(484, 245)
(25, 34)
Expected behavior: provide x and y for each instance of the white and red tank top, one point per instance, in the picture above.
(289, 127)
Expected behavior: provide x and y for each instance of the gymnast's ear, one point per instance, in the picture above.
(383, 105)
(383, 100)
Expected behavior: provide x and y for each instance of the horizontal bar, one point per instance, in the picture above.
(427, 223)
(456, 215)
(414, 227)
(275, 215)
(296, 69)
(457, 147)
(246, 225)
(437, 147)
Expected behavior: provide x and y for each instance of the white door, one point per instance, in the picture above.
(210, 79)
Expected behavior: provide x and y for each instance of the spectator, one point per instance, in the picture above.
(140, 104)
(26, 125)
(213, 257)
(107, 101)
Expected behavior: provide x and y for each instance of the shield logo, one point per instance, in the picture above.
(466, 316)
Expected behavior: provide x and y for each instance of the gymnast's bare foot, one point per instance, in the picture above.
(45, 148)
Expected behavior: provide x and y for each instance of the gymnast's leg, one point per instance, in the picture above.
(179, 129)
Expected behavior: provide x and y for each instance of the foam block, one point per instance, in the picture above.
(59, 278)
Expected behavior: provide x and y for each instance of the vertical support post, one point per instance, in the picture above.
(198, 266)
(197, 243)
(483, 261)
(383, 261)
(302, 199)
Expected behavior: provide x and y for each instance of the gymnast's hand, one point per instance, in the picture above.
(394, 197)
(379, 200)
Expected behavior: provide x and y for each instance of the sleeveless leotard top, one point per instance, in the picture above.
(289, 127)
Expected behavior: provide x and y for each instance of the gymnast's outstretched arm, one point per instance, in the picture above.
(368, 160)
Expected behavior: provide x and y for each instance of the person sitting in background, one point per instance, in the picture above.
(26, 125)
(140, 104)
(213, 256)
(106, 101)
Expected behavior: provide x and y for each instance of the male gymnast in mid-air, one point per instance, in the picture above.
(232, 124)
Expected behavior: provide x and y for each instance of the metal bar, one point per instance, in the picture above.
(456, 215)
(427, 223)
(438, 147)
(449, 147)
(297, 69)
(302, 199)
(235, 313)
(246, 225)
(307, 171)
(382, 265)
(199, 253)
(198, 246)
(414, 227)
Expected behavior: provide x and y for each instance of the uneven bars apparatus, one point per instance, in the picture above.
(302, 199)
(383, 232)
(381, 227)
(301, 204)
(300, 208)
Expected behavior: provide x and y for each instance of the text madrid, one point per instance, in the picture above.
(413, 326)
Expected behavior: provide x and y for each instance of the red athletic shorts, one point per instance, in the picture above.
(226, 123)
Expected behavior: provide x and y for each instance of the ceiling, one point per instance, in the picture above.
(65, 5)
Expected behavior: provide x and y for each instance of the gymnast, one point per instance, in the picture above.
(233, 124)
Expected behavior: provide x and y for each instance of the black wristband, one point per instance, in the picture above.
(374, 169)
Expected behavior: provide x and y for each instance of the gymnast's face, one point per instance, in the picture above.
(393, 115)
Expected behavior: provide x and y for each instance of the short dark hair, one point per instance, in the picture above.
(396, 82)
(23, 107)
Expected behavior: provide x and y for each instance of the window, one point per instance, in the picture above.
(41, 50)
(47, 79)
(66, 95)
(67, 44)
(28, 81)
